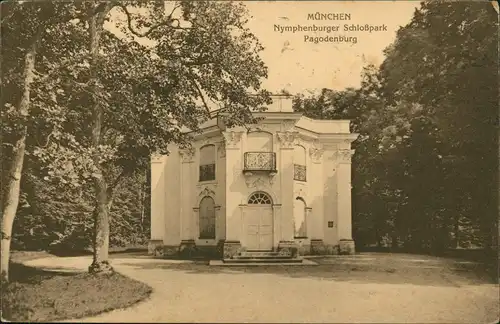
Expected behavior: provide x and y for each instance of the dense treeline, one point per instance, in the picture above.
(58, 219)
(426, 164)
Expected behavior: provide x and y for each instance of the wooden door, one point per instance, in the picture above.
(259, 228)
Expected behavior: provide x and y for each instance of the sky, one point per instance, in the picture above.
(300, 66)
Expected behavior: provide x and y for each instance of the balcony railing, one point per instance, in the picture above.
(260, 161)
(299, 172)
(207, 172)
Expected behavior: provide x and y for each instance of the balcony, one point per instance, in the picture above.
(260, 162)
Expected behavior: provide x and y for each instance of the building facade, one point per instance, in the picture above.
(283, 184)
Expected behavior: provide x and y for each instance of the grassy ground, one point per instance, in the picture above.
(37, 295)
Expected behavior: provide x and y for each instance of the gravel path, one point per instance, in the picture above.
(366, 288)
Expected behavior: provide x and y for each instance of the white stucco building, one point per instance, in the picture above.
(280, 184)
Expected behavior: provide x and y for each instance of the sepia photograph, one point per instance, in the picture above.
(203, 161)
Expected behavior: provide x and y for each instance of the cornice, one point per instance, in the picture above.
(337, 138)
(272, 115)
(332, 138)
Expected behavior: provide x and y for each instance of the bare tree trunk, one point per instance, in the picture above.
(100, 262)
(11, 201)
(456, 229)
(13, 185)
(394, 242)
(143, 200)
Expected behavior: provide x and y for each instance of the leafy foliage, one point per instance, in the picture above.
(427, 118)
(64, 221)
(102, 103)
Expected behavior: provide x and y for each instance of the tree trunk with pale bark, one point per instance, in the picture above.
(13, 184)
(100, 262)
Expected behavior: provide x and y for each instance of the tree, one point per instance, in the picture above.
(19, 60)
(427, 118)
(123, 101)
(445, 60)
(62, 222)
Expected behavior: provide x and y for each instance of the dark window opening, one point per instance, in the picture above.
(299, 172)
(207, 172)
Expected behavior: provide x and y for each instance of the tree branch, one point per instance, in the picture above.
(6, 7)
(48, 140)
(200, 93)
(117, 181)
(175, 8)
(167, 23)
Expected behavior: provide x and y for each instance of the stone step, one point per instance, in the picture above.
(262, 255)
(267, 257)
(264, 260)
(258, 254)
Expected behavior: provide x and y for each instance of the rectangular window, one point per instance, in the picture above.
(207, 163)
(299, 172)
(207, 172)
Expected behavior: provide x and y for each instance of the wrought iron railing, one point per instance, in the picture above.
(260, 161)
(207, 172)
(299, 172)
(207, 231)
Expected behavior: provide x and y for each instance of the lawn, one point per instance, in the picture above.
(41, 296)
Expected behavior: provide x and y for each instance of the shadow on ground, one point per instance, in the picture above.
(38, 295)
(370, 268)
(25, 274)
(114, 252)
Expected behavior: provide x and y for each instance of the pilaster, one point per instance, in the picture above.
(287, 140)
(330, 197)
(316, 215)
(232, 144)
(195, 229)
(308, 220)
(277, 220)
(219, 229)
(344, 208)
(157, 199)
(186, 219)
(316, 153)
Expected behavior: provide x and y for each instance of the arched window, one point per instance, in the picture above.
(207, 162)
(207, 218)
(259, 198)
(299, 218)
(299, 163)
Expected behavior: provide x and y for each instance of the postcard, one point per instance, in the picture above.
(250, 161)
